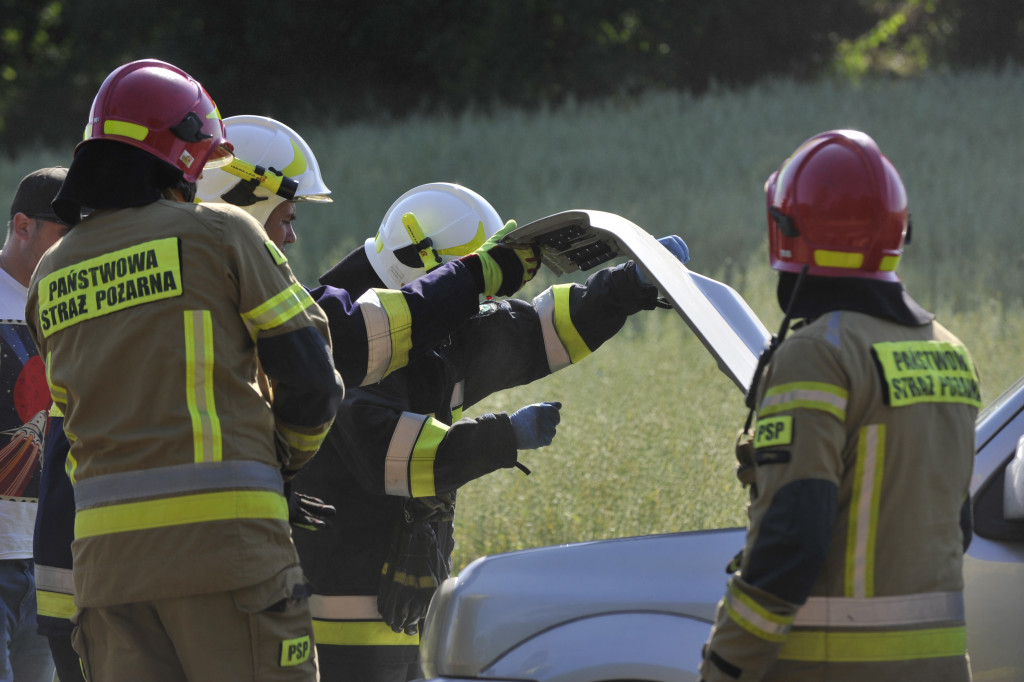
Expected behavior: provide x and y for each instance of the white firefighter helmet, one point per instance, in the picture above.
(427, 226)
(272, 164)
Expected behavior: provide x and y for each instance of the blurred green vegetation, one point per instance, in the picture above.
(350, 60)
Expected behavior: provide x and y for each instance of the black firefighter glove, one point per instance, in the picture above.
(416, 564)
(306, 511)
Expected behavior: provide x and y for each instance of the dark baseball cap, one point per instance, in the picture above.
(37, 191)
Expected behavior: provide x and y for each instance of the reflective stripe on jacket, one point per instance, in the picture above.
(173, 447)
(864, 448)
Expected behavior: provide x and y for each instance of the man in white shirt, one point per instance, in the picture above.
(31, 230)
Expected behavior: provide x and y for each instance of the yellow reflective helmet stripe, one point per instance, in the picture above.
(181, 510)
(811, 395)
(838, 259)
(277, 310)
(207, 445)
(872, 647)
(469, 247)
(360, 633)
(754, 618)
(299, 163)
(132, 131)
(863, 522)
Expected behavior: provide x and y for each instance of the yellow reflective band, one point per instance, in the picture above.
(275, 253)
(469, 247)
(295, 651)
(927, 372)
(889, 263)
(181, 510)
(862, 529)
(567, 332)
(133, 131)
(870, 647)
(70, 464)
(303, 442)
(774, 432)
(360, 633)
(838, 259)
(55, 410)
(106, 284)
(207, 445)
(55, 604)
(754, 618)
(810, 395)
(58, 393)
(424, 452)
(298, 165)
(277, 310)
(378, 242)
(399, 317)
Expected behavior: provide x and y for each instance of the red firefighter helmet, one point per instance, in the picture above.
(838, 206)
(160, 109)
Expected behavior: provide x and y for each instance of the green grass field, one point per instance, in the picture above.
(648, 421)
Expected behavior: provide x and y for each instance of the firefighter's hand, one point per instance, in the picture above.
(534, 425)
(410, 576)
(306, 511)
(676, 246)
(505, 269)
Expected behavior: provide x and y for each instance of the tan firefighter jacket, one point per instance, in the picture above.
(863, 453)
(148, 319)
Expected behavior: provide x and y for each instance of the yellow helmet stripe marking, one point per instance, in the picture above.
(132, 131)
(469, 247)
(299, 164)
(838, 259)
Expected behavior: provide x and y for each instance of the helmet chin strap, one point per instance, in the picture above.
(769, 351)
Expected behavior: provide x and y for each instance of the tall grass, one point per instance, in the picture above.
(646, 438)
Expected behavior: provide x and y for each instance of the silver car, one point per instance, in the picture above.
(639, 609)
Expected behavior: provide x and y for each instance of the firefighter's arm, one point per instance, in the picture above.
(797, 456)
(392, 451)
(384, 329)
(307, 392)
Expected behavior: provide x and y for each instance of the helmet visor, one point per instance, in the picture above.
(220, 156)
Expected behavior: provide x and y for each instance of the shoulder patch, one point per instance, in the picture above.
(275, 253)
(773, 432)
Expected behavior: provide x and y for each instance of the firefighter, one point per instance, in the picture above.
(401, 448)
(862, 449)
(182, 546)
